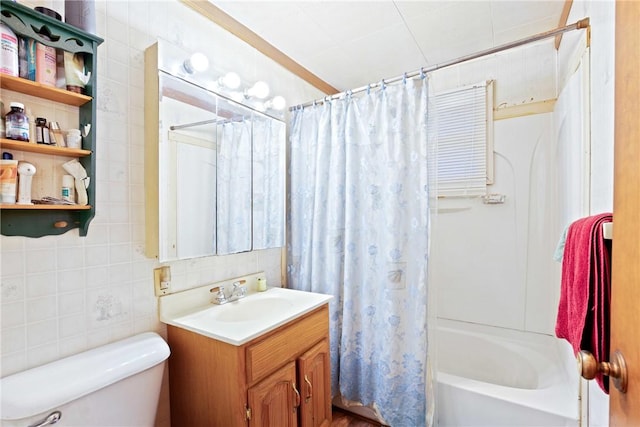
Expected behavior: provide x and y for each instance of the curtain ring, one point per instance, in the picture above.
(404, 78)
(369, 89)
(382, 85)
(349, 93)
(422, 74)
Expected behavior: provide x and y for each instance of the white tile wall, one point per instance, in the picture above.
(64, 294)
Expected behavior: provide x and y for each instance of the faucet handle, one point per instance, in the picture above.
(239, 290)
(220, 297)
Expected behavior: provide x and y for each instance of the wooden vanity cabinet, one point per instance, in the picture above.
(279, 379)
(275, 401)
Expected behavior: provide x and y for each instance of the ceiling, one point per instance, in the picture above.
(350, 44)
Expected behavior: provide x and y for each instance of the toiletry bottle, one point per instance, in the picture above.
(68, 188)
(17, 123)
(74, 140)
(42, 131)
(3, 133)
(46, 67)
(9, 63)
(32, 125)
(8, 178)
(262, 284)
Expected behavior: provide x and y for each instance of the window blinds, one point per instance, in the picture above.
(462, 117)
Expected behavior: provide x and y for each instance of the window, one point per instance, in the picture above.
(464, 118)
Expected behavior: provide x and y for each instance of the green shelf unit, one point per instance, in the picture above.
(26, 22)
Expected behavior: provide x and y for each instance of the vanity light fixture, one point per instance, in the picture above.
(230, 80)
(197, 62)
(276, 103)
(259, 90)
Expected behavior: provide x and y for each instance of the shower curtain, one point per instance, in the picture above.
(359, 230)
(233, 210)
(268, 183)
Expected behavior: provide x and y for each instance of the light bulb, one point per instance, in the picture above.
(259, 90)
(278, 103)
(230, 80)
(198, 62)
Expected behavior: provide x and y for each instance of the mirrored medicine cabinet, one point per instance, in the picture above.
(214, 168)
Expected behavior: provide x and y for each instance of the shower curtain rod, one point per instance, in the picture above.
(581, 24)
(202, 123)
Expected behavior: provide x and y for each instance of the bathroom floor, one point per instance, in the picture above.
(342, 419)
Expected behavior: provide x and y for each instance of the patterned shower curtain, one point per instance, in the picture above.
(233, 210)
(359, 230)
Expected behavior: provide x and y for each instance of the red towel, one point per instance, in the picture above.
(585, 296)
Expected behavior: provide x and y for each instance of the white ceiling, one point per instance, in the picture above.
(349, 44)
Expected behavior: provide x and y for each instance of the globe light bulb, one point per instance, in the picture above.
(198, 62)
(278, 103)
(259, 90)
(230, 80)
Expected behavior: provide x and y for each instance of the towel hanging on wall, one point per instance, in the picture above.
(585, 296)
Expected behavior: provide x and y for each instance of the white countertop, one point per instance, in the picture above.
(240, 321)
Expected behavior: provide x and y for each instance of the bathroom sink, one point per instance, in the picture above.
(240, 321)
(246, 310)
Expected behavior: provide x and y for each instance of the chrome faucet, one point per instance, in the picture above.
(237, 292)
(220, 297)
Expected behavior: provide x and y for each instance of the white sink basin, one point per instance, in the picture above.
(247, 310)
(243, 320)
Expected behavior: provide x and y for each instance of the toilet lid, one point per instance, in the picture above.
(49, 386)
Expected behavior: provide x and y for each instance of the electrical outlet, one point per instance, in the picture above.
(162, 280)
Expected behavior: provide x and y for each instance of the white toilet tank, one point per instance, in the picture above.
(115, 385)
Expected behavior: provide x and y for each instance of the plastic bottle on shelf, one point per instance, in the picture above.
(46, 67)
(32, 125)
(74, 139)
(68, 188)
(17, 123)
(9, 59)
(42, 131)
(27, 58)
(3, 133)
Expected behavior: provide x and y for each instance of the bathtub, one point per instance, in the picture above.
(499, 377)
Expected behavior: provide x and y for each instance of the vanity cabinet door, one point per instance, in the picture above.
(314, 379)
(274, 401)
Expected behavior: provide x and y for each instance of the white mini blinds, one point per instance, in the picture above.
(464, 118)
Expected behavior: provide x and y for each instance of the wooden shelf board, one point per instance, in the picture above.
(9, 144)
(43, 207)
(28, 87)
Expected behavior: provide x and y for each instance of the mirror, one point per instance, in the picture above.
(220, 174)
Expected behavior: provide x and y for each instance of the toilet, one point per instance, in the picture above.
(117, 384)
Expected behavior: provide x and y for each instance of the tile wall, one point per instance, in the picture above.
(65, 294)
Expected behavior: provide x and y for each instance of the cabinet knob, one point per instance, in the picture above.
(61, 224)
(616, 369)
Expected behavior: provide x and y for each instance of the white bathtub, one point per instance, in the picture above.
(496, 377)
